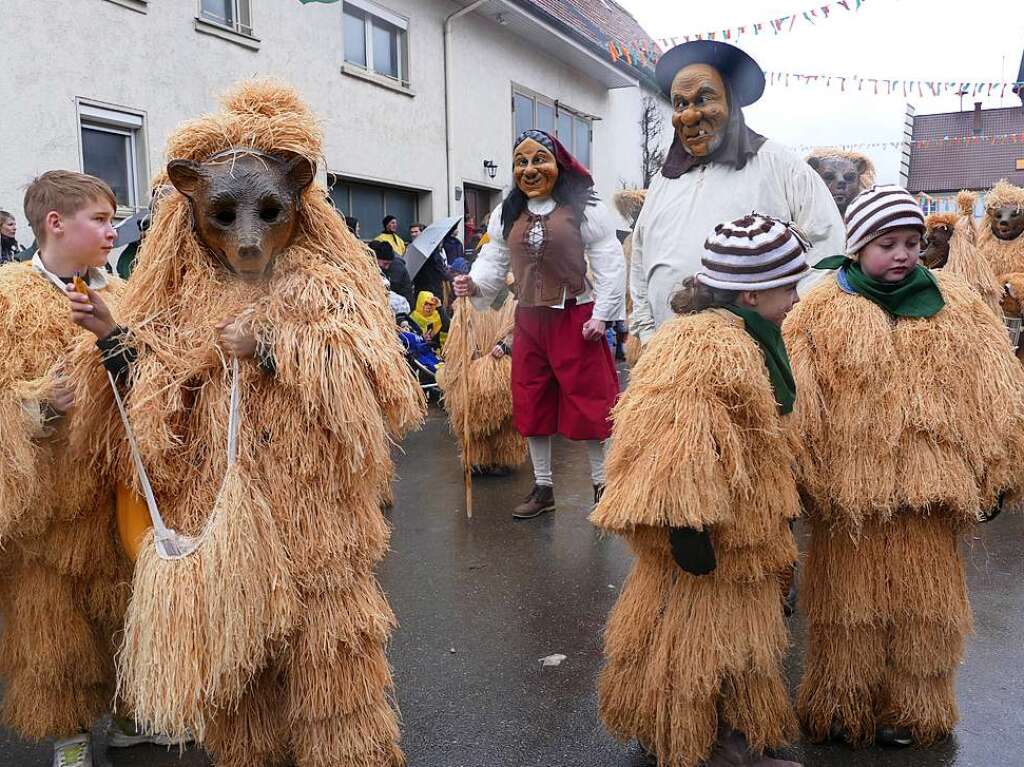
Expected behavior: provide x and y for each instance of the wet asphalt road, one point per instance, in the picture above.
(482, 601)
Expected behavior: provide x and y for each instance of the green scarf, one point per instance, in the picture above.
(769, 338)
(916, 295)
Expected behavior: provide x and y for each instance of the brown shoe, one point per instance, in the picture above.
(540, 499)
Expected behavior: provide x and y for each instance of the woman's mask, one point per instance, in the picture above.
(535, 169)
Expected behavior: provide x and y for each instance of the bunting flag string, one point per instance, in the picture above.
(775, 26)
(907, 88)
(928, 143)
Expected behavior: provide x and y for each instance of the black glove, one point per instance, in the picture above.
(692, 550)
(995, 511)
(117, 355)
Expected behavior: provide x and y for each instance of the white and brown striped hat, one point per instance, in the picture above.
(755, 252)
(878, 210)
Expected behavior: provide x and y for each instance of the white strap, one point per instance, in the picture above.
(160, 530)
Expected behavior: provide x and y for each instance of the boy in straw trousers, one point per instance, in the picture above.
(62, 594)
(694, 644)
(892, 475)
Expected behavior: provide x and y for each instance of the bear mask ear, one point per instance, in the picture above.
(862, 165)
(299, 172)
(814, 162)
(186, 175)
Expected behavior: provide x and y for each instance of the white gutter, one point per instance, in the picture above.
(449, 138)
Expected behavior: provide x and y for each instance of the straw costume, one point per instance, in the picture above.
(962, 252)
(700, 484)
(629, 203)
(494, 445)
(60, 565)
(1006, 256)
(296, 672)
(892, 476)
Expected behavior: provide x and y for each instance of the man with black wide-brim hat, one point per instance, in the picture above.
(717, 169)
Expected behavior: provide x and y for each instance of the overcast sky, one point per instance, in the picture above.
(943, 40)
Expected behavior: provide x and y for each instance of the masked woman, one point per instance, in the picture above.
(559, 242)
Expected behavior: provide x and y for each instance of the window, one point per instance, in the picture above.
(113, 149)
(233, 14)
(369, 203)
(572, 128)
(375, 40)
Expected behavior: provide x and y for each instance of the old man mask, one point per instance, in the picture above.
(708, 83)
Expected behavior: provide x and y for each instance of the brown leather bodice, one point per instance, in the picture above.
(547, 257)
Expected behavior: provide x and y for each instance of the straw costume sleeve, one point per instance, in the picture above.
(322, 340)
(678, 457)
(21, 422)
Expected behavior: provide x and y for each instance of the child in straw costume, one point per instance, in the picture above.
(299, 671)
(892, 476)
(59, 594)
(494, 446)
(694, 644)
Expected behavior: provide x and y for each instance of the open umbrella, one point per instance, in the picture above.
(419, 250)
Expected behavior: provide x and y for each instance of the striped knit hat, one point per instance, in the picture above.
(755, 252)
(878, 210)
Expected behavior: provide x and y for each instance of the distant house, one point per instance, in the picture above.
(965, 150)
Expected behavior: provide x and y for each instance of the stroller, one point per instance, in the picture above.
(420, 355)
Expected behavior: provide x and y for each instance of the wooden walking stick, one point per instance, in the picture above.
(467, 313)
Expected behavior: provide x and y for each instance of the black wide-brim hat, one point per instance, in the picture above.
(743, 75)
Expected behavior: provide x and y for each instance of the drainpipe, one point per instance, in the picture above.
(449, 143)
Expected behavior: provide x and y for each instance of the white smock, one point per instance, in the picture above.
(679, 214)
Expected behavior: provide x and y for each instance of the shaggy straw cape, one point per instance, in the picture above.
(270, 644)
(493, 440)
(698, 442)
(62, 594)
(964, 258)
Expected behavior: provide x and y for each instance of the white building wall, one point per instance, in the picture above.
(157, 63)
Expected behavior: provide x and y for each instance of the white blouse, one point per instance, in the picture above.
(606, 274)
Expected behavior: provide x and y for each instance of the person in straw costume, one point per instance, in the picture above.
(951, 244)
(893, 476)
(700, 484)
(299, 674)
(629, 203)
(494, 447)
(846, 173)
(559, 242)
(62, 577)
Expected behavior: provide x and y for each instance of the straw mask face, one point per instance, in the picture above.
(841, 175)
(1007, 221)
(936, 250)
(245, 205)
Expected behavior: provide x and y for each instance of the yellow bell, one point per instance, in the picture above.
(132, 520)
